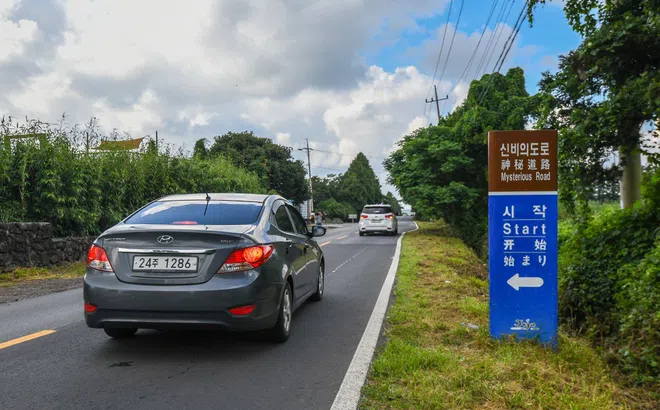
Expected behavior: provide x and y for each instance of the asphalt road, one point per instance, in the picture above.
(77, 367)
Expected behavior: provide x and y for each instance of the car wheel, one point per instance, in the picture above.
(320, 285)
(280, 332)
(120, 333)
(361, 233)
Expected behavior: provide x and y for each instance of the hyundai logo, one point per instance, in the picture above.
(165, 239)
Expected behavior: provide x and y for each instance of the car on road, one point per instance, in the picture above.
(240, 262)
(378, 218)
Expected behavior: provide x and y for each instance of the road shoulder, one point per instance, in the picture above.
(27, 283)
(438, 353)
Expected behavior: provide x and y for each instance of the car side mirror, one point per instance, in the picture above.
(317, 231)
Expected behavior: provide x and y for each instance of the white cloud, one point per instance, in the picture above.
(288, 69)
(15, 34)
(283, 138)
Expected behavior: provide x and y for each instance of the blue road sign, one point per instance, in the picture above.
(523, 265)
(522, 233)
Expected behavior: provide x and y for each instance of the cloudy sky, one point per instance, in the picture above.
(350, 75)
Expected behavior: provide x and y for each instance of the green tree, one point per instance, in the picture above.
(394, 203)
(442, 171)
(604, 92)
(324, 188)
(272, 162)
(359, 185)
(200, 150)
(336, 209)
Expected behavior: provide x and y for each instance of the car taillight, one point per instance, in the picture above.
(363, 216)
(389, 216)
(98, 259)
(247, 258)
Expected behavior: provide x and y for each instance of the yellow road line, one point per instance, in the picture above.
(32, 336)
(323, 244)
(342, 237)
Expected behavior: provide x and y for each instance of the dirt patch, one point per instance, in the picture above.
(34, 288)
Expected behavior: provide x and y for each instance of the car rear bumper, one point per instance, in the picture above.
(385, 227)
(204, 305)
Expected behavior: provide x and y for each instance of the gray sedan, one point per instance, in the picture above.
(234, 261)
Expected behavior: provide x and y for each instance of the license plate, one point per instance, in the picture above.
(165, 263)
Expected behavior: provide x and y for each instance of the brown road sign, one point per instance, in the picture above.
(520, 161)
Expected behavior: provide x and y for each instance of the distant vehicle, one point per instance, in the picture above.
(378, 218)
(234, 261)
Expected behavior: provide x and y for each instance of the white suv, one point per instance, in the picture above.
(378, 218)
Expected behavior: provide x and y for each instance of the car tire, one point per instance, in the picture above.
(282, 329)
(120, 332)
(361, 233)
(320, 285)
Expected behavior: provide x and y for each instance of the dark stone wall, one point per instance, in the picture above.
(26, 244)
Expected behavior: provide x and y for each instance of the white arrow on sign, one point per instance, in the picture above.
(517, 282)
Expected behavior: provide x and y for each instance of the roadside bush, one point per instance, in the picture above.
(590, 261)
(54, 179)
(639, 303)
(609, 282)
(336, 210)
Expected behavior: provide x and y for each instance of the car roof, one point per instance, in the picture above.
(258, 198)
(377, 205)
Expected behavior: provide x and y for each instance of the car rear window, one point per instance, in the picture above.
(192, 213)
(377, 210)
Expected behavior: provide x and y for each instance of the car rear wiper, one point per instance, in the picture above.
(208, 199)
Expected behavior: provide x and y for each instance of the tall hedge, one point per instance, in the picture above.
(55, 180)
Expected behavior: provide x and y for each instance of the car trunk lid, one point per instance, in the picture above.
(170, 255)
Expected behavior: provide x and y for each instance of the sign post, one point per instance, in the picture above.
(522, 234)
(352, 217)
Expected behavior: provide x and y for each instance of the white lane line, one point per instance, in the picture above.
(347, 260)
(348, 395)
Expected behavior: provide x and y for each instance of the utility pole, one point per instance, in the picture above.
(309, 170)
(437, 106)
(156, 142)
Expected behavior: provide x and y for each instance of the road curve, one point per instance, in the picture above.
(77, 367)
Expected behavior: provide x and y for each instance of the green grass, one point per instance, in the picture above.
(432, 361)
(64, 271)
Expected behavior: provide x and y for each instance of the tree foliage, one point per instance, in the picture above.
(325, 188)
(442, 171)
(605, 90)
(393, 202)
(359, 185)
(335, 209)
(272, 162)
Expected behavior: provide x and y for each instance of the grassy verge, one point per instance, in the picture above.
(64, 271)
(433, 361)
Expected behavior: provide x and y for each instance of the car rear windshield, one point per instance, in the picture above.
(377, 210)
(192, 213)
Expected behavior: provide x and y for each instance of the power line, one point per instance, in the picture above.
(444, 67)
(451, 45)
(492, 35)
(513, 35)
(474, 53)
(505, 51)
(497, 40)
(442, 45)
(437, 64)
(348, 155)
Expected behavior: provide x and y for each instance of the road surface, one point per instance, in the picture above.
(76, 367)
